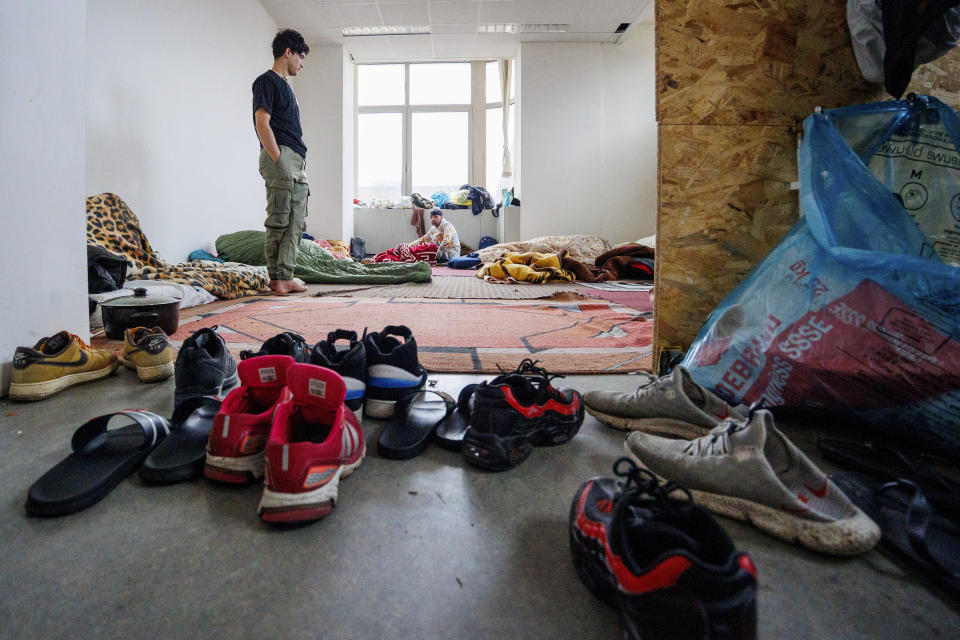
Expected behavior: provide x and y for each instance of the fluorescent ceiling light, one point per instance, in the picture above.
(389, 30)
(499, 28)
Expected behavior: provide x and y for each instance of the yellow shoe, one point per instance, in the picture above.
(149, 352)
(56, 363)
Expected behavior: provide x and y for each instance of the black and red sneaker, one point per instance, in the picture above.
(515, 412)
(663, 562)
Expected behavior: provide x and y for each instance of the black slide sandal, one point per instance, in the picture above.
(414, 423)
(100, 460)
(889, 464)
(181, 456)
(911, 528)
(451, 431)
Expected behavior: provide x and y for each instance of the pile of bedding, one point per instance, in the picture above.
(316, 265)
(112, 225)
(585, 248)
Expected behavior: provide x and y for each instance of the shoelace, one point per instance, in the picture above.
(717, 442)
(83, 344)
(529, 367)
(640, 483)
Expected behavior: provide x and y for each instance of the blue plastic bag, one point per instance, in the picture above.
(858, 308)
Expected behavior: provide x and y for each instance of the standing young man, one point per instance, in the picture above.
(276, 118)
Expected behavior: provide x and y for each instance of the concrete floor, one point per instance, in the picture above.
(425, 548)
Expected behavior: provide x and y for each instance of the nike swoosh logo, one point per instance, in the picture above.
(78, 363)
(817, 492)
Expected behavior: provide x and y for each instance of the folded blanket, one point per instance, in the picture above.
(315, 265)
(627, 261)
(526, 267)
(112, 225)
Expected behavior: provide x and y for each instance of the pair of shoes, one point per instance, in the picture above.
(379, 369)
(55, 363)
(515, 412)
(204, 367)
(748, 470)
(347, 360)
(663, 562)
(672, 405)
(149, 352)
(289, 423)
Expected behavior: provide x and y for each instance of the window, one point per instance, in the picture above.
(427, 127)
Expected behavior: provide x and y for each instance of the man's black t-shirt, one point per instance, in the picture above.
(272, 92)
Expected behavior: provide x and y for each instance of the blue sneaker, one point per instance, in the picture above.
(393, 370)
(350, 361)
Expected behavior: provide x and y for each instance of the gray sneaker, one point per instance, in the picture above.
(748, 470)
(672, 405)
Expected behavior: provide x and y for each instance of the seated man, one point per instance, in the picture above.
(443, 235)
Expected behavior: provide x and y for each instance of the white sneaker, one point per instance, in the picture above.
(672, 405)
(748, 470)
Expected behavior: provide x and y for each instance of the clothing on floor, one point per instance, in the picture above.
(631, 261)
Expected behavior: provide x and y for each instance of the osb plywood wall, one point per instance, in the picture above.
(734, 80)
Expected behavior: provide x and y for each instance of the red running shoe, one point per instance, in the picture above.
(315, 441)
(241, 427)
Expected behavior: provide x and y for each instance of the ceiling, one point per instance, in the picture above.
(454, 24)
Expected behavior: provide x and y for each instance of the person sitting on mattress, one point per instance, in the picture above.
(443, 234)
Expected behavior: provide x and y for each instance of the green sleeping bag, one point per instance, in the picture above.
(315, 265)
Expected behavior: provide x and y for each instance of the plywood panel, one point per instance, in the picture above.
(766, 62)
(725, 201)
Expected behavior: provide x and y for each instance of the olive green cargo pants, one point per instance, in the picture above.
(287, 192)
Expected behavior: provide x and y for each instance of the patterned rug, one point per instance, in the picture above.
(454, 336)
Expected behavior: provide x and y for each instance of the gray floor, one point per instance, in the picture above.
(426, 548)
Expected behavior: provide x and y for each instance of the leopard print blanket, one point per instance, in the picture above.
(112, 225)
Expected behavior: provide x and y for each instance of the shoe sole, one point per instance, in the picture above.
(850, 536)
(379, 409)
(234, 470)
(154, 373)
(32, 391)
(656, 426)
(279, 507)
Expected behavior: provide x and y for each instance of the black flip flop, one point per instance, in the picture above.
(182, 454)
(890, 464)
(451, 431)
(414, 423)
(100, 460)
(911, 527)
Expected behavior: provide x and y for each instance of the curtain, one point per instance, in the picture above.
(505, 73)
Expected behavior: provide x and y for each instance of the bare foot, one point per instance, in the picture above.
(280, 287)
(285, 287)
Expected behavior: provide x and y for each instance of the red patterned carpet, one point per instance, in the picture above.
(454, 336)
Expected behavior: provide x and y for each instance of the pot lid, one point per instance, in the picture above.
(138, 299)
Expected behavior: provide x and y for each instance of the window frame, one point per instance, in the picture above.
(476, 122)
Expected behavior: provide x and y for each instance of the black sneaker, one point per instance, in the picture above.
(515, 412)
(350, 361)
(204, 367)
(393, 370)
(283, 344)
(663, 562)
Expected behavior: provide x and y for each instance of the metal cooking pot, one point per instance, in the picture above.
(140, 310)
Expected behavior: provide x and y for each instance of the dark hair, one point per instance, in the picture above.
(436, 212)
(289, 39)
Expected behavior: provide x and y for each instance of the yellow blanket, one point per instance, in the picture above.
(526, 267)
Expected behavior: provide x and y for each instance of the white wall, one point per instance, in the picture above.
(42, 142)
(169, 123)
(323, 108)
(588, 144)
